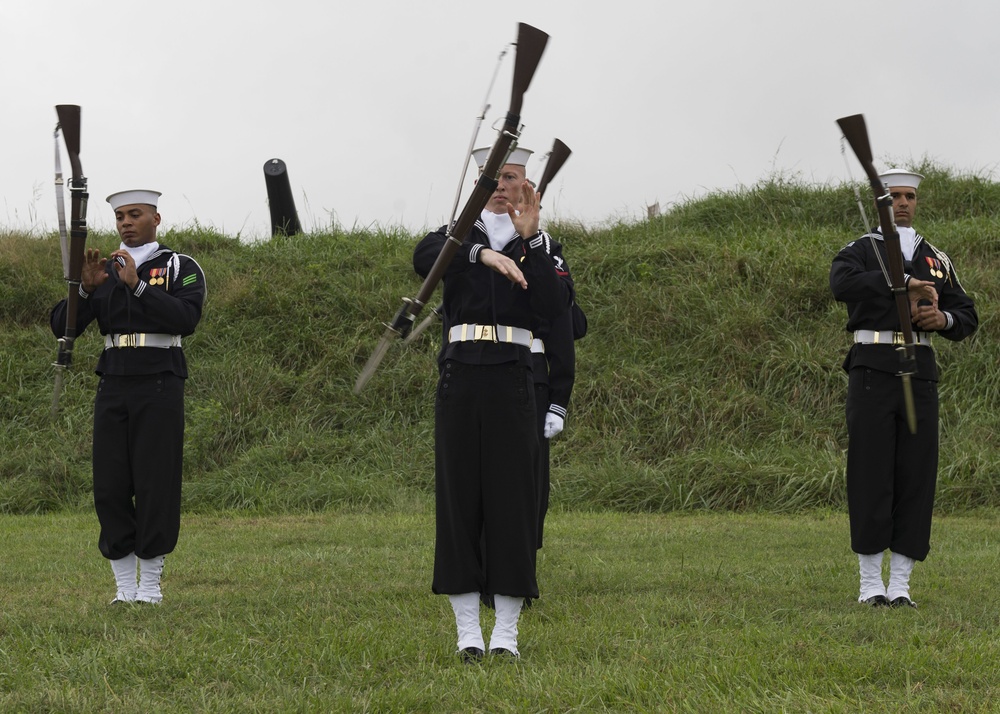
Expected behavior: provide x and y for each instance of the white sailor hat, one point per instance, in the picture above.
(518, 157)
(127, 198)
(901, 177)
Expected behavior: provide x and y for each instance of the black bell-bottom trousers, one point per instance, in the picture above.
(486, 446)
(891, 473)
(137, 460)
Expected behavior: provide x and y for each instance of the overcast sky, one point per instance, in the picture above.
(372, 104)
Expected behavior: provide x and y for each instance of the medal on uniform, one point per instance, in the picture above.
(935, 267)
(159, 276)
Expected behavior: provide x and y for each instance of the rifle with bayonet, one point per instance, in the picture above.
(856, 133)
(530, 45)
(557, 157)
(69, 124)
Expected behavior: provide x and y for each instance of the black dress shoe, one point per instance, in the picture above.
(471, 655)
(902, 601)
(877, 601)
(503, 653)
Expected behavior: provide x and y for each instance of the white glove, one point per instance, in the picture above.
(553, 425)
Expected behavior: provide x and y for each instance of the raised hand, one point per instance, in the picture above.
(92, 273)
(526, 222)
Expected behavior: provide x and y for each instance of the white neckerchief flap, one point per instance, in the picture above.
(907, 241)
(499, 229)
(141, 253)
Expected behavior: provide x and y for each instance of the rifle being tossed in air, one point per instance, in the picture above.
(530, 45)
(69, 123)
(557, 157)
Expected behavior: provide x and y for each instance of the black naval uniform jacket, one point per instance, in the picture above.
(556, 367)
(486, 442)
(139, 407)
(167, 300)
(891, 474)
(554, 372)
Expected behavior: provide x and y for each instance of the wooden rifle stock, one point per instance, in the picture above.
(856, 133)
(557, 157)
(69, 122)
(530, 46)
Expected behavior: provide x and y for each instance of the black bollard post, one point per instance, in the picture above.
(284, 219)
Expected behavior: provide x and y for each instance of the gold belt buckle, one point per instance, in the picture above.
(126, 340)
(485, 332)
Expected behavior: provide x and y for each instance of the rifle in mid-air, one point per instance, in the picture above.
(530, 45)
(72, 254)
(856, 133)
(557, 157)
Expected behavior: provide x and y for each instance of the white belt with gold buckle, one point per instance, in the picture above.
(470, 332)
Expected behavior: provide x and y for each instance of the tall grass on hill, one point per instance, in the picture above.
(710, 377)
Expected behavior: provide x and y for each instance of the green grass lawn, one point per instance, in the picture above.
(649, 613)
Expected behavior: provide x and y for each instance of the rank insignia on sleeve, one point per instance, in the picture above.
(159, 277)
(189, 279)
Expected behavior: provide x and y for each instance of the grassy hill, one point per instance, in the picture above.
(710, 377)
